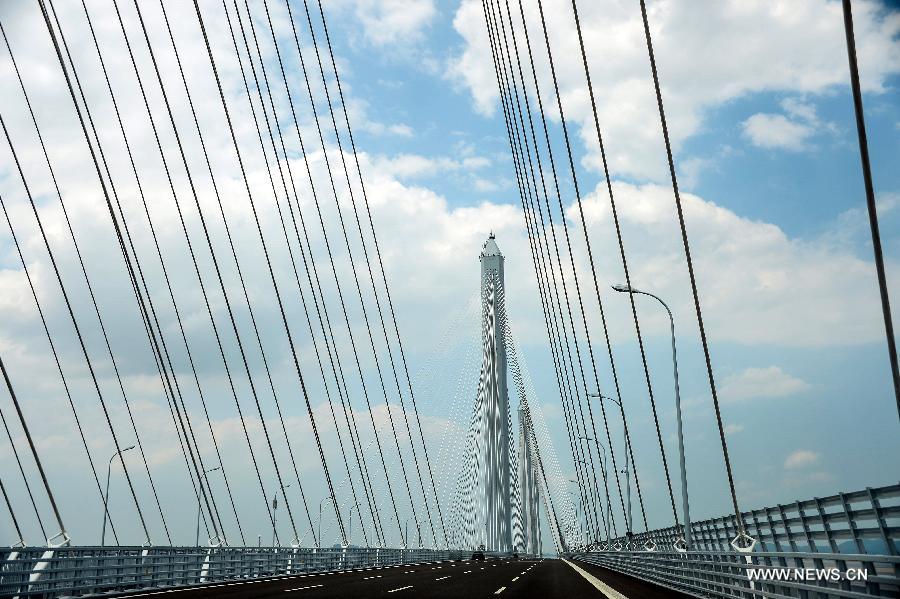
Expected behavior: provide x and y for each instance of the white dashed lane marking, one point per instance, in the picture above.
(400, 589)
(500, 590)
(315, 586)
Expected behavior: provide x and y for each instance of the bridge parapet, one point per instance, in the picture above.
(77, 571)
(866, 521)
(846, 543)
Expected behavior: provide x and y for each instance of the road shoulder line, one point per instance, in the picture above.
(598, 584)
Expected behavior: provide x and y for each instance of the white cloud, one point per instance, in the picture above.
(768, 288)
(794, 46)
(800, 459)
(757, 284)
(788, 132)
(407, 166)
(733, 429)
(755, 383)
(776, 131)
(387, 22)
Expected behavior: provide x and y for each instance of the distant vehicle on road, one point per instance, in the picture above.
(478, 556)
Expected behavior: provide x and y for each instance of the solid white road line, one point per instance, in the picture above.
(597, 583)
(400, 589)
(500, 590)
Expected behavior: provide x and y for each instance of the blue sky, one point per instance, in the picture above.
(765, 144)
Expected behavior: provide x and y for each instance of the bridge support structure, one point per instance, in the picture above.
(492, 408)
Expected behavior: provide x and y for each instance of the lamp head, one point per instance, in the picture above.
(622, 288)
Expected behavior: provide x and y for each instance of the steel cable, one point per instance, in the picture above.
(365, 312)
(562, 338)
(322, 310)
(12, 514)
(687, 253)
(183, 223)
(595, 495)
(58, 366)
(34, 454)
(578, 198)
(366, 260)
(565, 225)
(549, 314)
(381, 266)
(167, 279)
(60, 281)
(180, 416)
(275, 287)
(331, 259)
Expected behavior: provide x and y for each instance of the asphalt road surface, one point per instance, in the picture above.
(501, 579)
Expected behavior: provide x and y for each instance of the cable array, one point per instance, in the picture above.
(371, 287)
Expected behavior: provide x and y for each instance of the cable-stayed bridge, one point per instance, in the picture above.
(191, 221)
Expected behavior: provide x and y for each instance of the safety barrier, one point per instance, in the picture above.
(845, 545)
(78, 571)
(758, 574)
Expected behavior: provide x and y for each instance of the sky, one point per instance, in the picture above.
(764, 139)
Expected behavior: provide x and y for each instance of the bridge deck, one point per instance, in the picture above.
(493, 578)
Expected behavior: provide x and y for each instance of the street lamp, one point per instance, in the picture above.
(319, 540)
(684, 489)
(275, 510)
(106, 495)
(627, 471)
(603, 472)
(205, 472)
(577, 503)
(350, 532)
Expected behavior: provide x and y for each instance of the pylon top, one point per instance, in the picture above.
(490, 247)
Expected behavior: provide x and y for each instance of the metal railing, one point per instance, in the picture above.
(845, 545)
(78, 571)
(758, 574)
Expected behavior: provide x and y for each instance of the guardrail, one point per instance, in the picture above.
(78, 571)
(758, 574)
(866, 521)
(845, 545)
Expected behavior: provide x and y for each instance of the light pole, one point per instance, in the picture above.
(106, 495)
(319, 540)
(577, 507)
(684, 490)
(350, 532)
(605, 485)
(275, 511)
(627, 471)
(593, 496)
(205, 472)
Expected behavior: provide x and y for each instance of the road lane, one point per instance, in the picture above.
(631, 588)
(500, 579)
(433, 579)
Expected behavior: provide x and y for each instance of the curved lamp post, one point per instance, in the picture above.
(319, 540)
(205, 472)
(106, 495)
(627, 470)
(684, 489)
